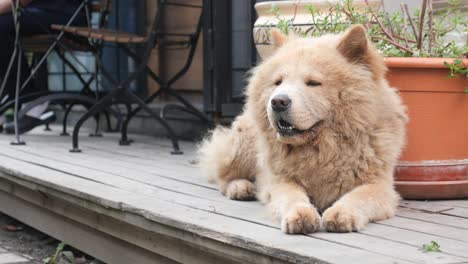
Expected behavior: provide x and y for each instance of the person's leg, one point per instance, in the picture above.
(7, 45)
(7, 33)
(35, 20)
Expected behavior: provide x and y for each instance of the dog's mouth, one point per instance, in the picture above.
(286, 129)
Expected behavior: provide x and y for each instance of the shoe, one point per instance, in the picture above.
(27, 123)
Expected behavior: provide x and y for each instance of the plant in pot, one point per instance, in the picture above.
(426, 55)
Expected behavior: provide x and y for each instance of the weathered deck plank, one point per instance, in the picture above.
(436, 218)
(458, 208)
(233, 209)
(210, 224)
(144, 181)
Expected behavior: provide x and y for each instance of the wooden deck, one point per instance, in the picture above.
(139, 204)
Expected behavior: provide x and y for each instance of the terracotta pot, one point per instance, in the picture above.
(434, 164)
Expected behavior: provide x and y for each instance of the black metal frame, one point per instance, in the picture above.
(77, 98)
(70, 99)
(122, 94)
(165, 85)
(35, 99)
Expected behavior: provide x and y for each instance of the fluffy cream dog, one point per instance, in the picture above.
(319, 136)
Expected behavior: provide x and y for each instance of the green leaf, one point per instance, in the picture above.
(431, 247)
(342, 14)
(54, 258)
(60, 247)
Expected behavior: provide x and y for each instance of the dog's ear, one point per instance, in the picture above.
(278, 37)
(356, 48)
(353, 46)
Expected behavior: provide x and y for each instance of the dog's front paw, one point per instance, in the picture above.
(240, 189)
(341, 219)
(301, 220)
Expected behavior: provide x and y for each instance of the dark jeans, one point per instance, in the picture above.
(35, 19)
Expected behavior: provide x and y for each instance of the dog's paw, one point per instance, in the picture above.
(240, 190)
(341, 219)
(301, 220)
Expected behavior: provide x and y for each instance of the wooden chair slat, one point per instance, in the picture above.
(109, 35)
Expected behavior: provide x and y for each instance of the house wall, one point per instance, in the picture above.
(168, 60)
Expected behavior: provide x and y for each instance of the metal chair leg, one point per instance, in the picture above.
(172, 135)
(108, 122)
(124, 141)
(18, 141)
(65, 119)
(97, 129)
(47, 127)
(99, 106)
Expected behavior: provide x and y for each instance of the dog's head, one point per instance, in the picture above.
(308, 83)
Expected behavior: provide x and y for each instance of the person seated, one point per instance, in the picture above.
(36, 18)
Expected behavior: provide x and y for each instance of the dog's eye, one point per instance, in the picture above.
(312, 83)
(278, 82)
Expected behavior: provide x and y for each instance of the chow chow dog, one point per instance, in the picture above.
(318, 138)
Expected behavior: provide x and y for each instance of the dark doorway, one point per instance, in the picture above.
(229, 54)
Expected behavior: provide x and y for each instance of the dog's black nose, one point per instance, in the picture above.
(280, 103)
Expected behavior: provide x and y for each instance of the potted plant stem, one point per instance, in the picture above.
(426, 55)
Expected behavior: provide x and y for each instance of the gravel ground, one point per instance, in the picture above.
(33, 244)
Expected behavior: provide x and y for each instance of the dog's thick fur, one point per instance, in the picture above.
(340, 170)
